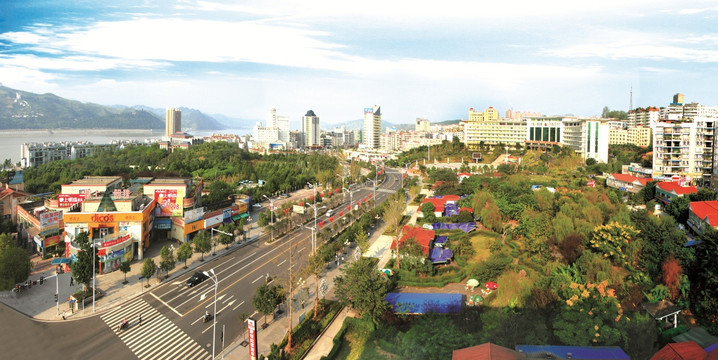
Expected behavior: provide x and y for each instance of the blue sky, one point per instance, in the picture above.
(414, 58)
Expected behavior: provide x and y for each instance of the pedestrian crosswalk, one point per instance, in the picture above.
(157, 337)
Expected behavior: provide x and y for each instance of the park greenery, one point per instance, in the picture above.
(15, 264)
(573, 266)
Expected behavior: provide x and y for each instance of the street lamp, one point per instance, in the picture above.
(351, 197)
(214, 242)
(314, 235)
(271, 215)
(94, 257)
(373, 182)
(214, 317)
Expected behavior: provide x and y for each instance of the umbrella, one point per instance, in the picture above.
(491, 285)
(61, 260)
(387, 272)
(472, 283)
(478, 298)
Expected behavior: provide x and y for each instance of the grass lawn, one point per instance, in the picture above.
(481, 240)
(513, 286)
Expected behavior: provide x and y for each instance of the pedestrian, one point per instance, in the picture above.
(342, 259)
(72, 281)
(139, 317)
(63, 314)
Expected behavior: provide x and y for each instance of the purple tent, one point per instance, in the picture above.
(465, 227)
(440, 241)
(440, 255)
(451, 210)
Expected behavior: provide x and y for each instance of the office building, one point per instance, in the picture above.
(310, 129)
(173, 121)
(372, 127)
(588, 137)
(486, 128)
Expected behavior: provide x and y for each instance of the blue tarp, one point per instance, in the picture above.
(421, 303)
(451, 210)
(440, 241)
(440, 255)
(465, 227)
(577, 352)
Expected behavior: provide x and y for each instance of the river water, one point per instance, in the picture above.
(11, 140)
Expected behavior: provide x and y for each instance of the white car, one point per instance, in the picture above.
(257, 206)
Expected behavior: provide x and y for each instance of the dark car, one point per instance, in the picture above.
(197, 278)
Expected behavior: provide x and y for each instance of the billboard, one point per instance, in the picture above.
(49, 218)
(67, 200)
(298, 209)
(169, 203)
(193, 215)
(252, 329)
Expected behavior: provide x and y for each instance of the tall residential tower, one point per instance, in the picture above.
(310, 129)
(372, 127)
(173, 121)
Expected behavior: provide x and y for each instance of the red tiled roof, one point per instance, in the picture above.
(675, 187)
(463, 174)
(438, 204)
(686, 350)
(705, 209)
(422, 237)
(466, 209)
(5, 193)
(451, 198)
(629, 179)
(487, 351)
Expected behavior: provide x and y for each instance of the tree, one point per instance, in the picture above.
(267, 299)
(225, 239)
(590, 316)
(167, 260)
(613, 240)
(433, 336)
(678, 208)
(15, 265)
(125, 268)
(184, 252)
(361, 287)
(395, 210)
(202, 243)
(82, 268)
(672, 272)
(240, 228)
(315, 267)
(149, 268)
(704, 281)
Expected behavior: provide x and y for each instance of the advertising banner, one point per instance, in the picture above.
(67, 200)
(169, 203)
(214, 220)
(193, 215)
(252, 329)
(49, 218)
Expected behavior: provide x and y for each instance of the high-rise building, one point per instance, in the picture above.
(678, 99)
(173, 121)
(372, 127)
(422, 125)
(279, 122)
(310, 129)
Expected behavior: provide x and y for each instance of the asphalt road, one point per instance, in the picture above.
(172, 326)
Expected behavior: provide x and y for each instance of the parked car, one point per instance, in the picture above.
(197, 278)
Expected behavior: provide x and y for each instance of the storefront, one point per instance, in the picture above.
(117, 236)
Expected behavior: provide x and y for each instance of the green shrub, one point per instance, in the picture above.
(491, 268)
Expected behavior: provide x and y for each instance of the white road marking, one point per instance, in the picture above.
(165, 304)
(240, 304)
(259, 278)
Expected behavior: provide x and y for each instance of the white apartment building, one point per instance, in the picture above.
(588, 137)
(684, 149)
(643, 117)
(35, 154)
(422, 125)
(276, 131)
(485, 127)
(310, 129)
(372, 127)
(639, 136)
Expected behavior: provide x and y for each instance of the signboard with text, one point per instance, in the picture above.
(49, 218)
(67, 200)
(252, 329)
(169, 202)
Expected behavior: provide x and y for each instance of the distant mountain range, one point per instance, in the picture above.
(25, 110)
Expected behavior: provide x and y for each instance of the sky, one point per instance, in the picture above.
(429, 59)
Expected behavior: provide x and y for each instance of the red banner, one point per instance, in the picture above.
(252, 326)
(67, 200)
(116, 241)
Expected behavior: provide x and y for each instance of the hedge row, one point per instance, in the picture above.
(444, 276)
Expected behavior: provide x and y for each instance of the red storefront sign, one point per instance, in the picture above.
(67, 200)
(252, 326)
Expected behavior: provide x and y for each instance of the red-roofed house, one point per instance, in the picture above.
(487, 351)
(438, 206)
(466, 209)
(680, 351)
(422, 237)
(702, 214)
(463, 175)
(626, 182)
(451, 199)
(9, 198)
(666, 190)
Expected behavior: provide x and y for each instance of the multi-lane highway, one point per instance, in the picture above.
(172, 326)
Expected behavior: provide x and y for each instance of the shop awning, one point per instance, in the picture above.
(240, 216)
(227, 221)
(61, 260)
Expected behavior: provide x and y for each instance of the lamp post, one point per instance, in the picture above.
(94, 257)
(373, 182)
(271, 214)
(214, 317)
(214, 242)
(314, 235)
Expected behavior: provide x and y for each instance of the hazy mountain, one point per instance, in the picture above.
(234, 123)
(25, 110)
(192, 119)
